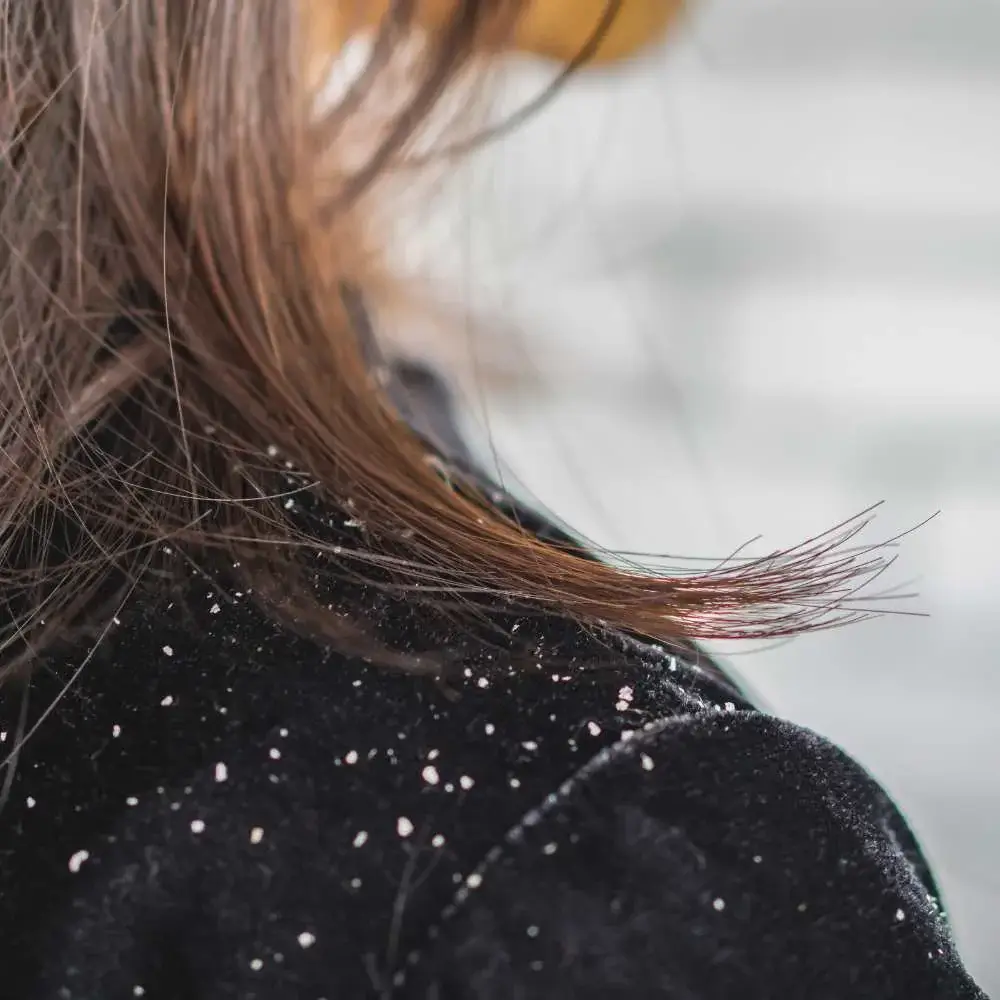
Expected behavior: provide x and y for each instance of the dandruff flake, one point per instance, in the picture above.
(77, 860)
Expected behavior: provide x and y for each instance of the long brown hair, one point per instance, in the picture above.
(179, 215)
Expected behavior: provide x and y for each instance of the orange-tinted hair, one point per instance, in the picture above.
(178, 222)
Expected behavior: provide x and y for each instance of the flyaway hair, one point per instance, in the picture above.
(180, 215)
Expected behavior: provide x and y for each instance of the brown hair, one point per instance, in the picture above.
(178, 219)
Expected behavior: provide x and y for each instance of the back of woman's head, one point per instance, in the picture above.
(182, 211)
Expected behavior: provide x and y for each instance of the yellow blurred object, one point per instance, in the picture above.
(556, 29)
(559, 29)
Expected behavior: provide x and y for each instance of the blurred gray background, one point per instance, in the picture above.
(751, 285)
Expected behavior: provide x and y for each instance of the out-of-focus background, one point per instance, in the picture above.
(751, 285)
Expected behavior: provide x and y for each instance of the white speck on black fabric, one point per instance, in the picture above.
(77, 860)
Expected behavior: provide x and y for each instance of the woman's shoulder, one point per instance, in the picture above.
(708, 855)
(220, 807)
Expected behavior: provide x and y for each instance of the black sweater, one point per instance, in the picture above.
(220, 808)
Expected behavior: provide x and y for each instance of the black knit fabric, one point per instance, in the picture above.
(217, 807)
